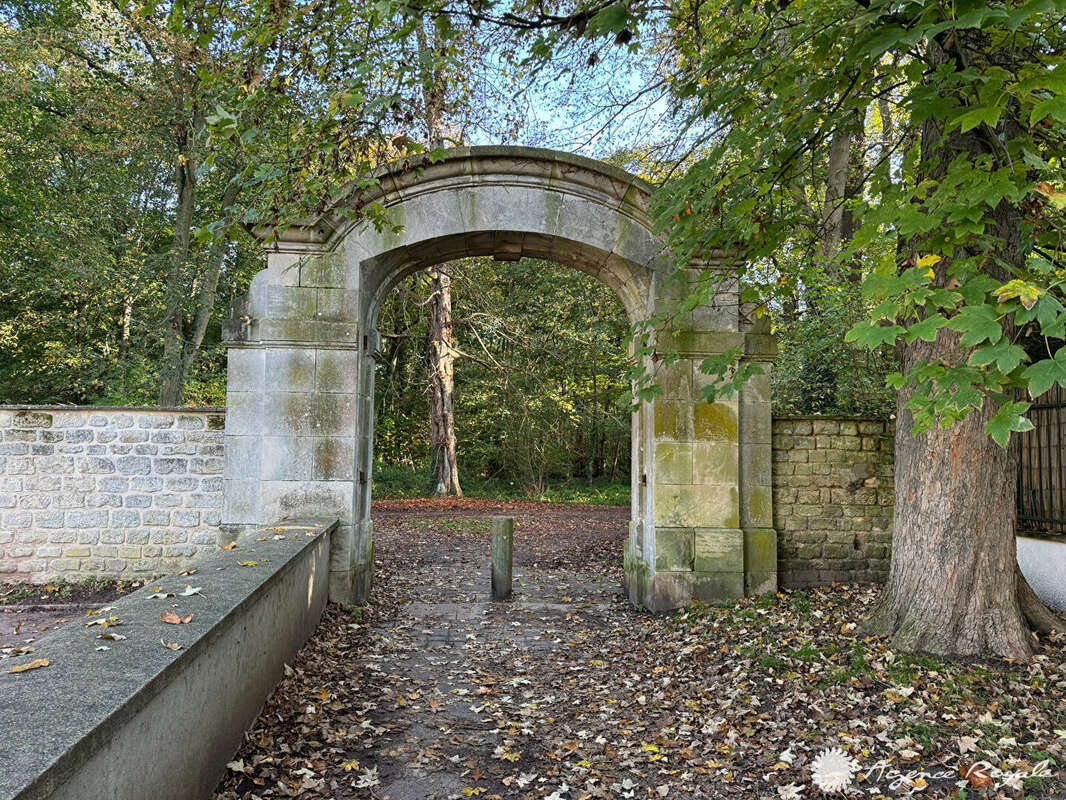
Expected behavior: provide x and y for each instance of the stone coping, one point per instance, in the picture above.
(137, 409)
(56, 719)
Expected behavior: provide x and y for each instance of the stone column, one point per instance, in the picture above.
(362, 555)
(709, 536)
(292, 391)
(756, 466)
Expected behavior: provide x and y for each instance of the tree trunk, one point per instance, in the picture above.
(954, 587)
(208, 289)
(172, 383)
(444, 476)
(951, 589)
(124, 327)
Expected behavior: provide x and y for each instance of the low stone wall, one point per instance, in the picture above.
(833, 497)
(139, 720)
(115, 491)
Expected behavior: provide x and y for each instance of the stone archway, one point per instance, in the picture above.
(299, 417)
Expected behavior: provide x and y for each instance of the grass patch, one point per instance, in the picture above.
(19, 592)
(457, 525)
(398, 483)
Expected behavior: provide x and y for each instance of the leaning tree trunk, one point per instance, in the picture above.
(444, 475)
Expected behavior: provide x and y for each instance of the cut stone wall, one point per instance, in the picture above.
(833, 496)
(115, 491)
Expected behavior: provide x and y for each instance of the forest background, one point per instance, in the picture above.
(140, 145)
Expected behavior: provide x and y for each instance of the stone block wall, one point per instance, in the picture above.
(124, 491)
(115, 491)
(833, 497)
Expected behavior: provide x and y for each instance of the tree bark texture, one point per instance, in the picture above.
(444, 474)
(954, 587)
(183, 339)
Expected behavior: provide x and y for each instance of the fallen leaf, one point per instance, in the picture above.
(37, 663)
(160, 595)
(977, 776)
(248, 564)
(114, 637)
(170, 645)
(229, 546)
(188, 571)
(171, 618)
(191, 590)
(108, 622)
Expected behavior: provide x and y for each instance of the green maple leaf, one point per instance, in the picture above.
(977, 324)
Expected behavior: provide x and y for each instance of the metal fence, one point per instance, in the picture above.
(1041, 475)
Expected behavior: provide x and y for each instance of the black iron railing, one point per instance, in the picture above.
(1041, 476)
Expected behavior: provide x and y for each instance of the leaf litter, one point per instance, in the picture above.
(568, 692)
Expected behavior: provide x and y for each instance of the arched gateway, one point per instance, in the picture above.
(300, 385)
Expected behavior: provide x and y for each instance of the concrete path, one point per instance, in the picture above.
(446, 654)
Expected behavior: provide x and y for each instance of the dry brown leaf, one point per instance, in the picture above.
(171, 618)
(37, 663)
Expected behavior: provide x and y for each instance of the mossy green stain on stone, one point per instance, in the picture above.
(759, 501)
(665, 419)
(625, 231)
(733, 519)
(715, 421)
(638, 577)
(394, 231)
(673, 549)
(760, 550)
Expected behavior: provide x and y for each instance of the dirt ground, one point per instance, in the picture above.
(567, 692)
(28, 612)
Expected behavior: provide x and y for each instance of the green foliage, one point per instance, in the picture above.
(392, 482)
(540, 367)
(816, 372)
(958, 227)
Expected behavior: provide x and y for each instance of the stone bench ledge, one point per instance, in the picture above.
(140, 718)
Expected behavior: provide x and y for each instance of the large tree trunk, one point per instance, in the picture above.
(172, 378)
(444, 476)
(954, 587)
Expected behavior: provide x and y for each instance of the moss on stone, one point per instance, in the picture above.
(715, 421)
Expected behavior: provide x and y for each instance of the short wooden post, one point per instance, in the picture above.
(502, 556)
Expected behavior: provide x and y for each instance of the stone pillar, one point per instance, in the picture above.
(362, 561)
(756, 466)
(292, 397)
(709, 536)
